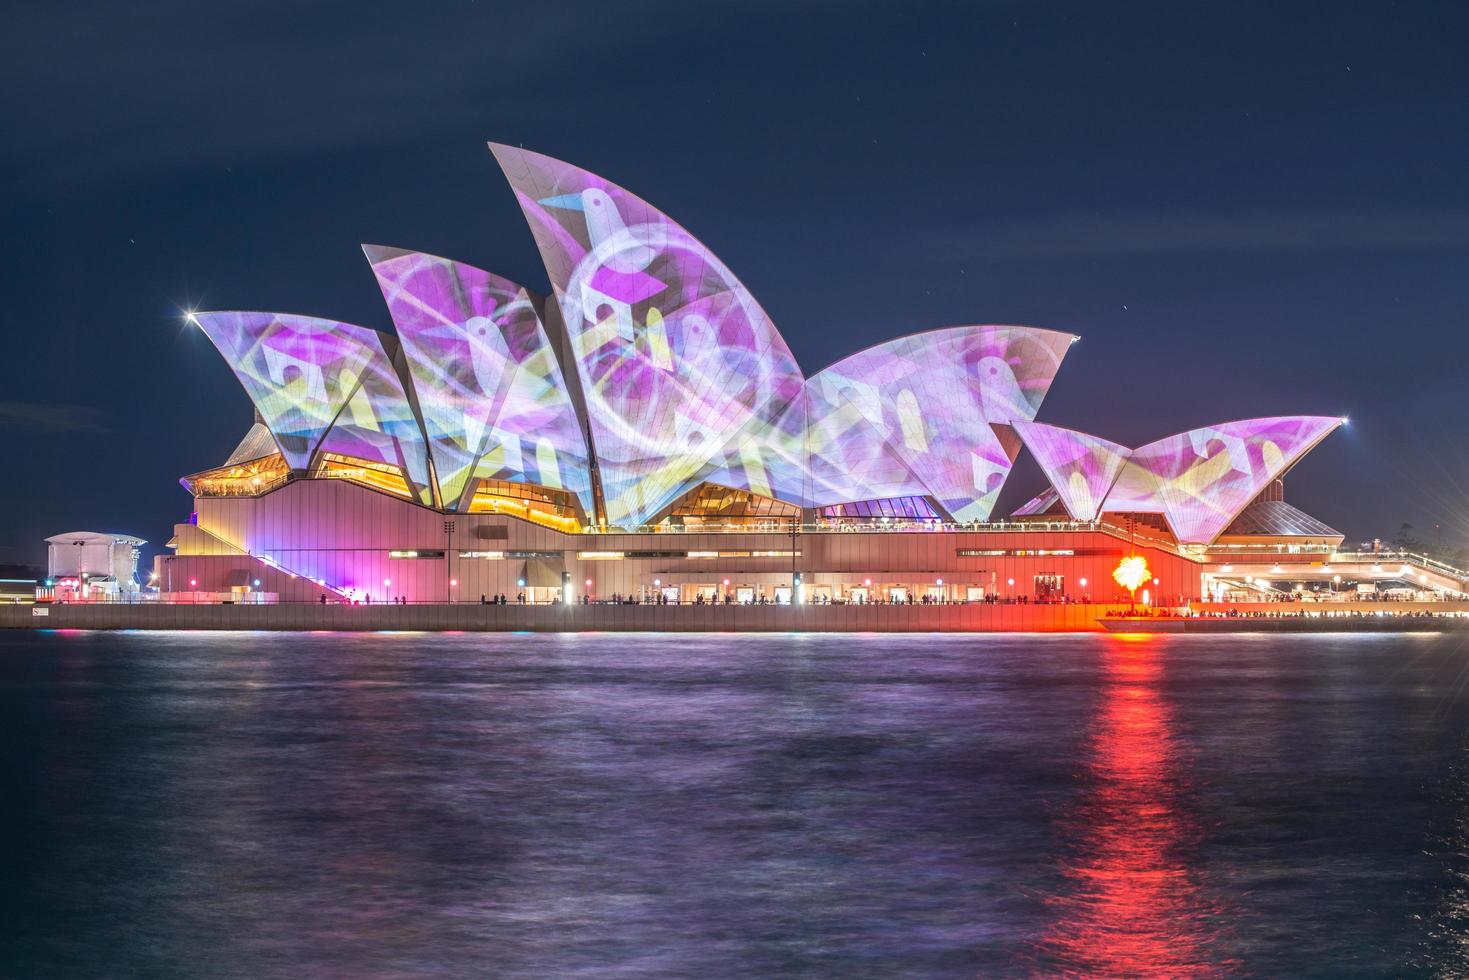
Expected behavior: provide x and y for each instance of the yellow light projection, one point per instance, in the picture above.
(1131, 572)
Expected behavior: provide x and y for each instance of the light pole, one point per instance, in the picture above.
(795, 576)
(448, 554)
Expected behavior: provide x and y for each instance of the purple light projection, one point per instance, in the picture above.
(685, 377)
(323, 385)
(934, 400)
(1081, 468)
(493, 401)
(1207, 476)
(1199, 480)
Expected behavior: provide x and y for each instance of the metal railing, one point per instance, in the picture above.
(1399, 557)
(1332, 555)
(837, 527)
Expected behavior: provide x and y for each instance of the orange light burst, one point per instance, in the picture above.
(1131, 572)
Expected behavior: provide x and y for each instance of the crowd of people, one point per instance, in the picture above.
(1190, 613)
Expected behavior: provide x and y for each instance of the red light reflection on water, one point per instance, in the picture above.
(1131, 905)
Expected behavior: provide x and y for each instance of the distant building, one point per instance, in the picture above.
(92, 564)
(17, 584)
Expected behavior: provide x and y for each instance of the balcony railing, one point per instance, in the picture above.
(851, 527)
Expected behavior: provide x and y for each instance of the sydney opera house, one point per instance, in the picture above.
(645, 432)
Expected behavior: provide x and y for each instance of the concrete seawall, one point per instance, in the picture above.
(961, 618)
(1334, 624)
(595, 618)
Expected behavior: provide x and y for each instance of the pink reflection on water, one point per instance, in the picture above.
(1131, 905)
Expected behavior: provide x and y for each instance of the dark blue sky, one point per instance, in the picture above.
(1244, 209)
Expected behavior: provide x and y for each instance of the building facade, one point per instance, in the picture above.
(644, 434)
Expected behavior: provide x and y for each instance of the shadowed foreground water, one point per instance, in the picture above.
(631, 805)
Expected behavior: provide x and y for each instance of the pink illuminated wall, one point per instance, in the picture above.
(493, 401)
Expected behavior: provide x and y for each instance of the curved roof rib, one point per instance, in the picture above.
(490, 391)
(933, 400)
(1206, 477)
(1081, 468)
(323, 385)
(685, 376)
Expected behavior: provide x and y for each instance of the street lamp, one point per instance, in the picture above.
(449, 555)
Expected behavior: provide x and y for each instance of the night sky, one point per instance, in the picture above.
(1243, 209)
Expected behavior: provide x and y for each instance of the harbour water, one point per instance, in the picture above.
(563, 805)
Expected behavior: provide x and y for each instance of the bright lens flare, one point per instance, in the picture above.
(1131, 572)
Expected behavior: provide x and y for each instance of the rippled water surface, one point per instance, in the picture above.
(383, 805)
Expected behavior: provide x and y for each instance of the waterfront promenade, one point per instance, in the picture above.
(917, 617)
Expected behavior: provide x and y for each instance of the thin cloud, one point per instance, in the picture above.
(51, 419)
(1092, 236)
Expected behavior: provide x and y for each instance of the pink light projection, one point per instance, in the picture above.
(848, 457)
(323, 385)
(1039, 504)
(679, 378)
(1207, 476)
(1199, 480)
(489, 388)
(685, 377)
(1081, 468)
(932, 401)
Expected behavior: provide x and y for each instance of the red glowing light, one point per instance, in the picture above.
(1132, 905)
(1131, 572)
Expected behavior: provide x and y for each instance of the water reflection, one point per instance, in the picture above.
(1131, 905)
(1445, 951)
(364, 805)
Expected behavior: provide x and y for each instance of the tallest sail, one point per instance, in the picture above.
(685, 377)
